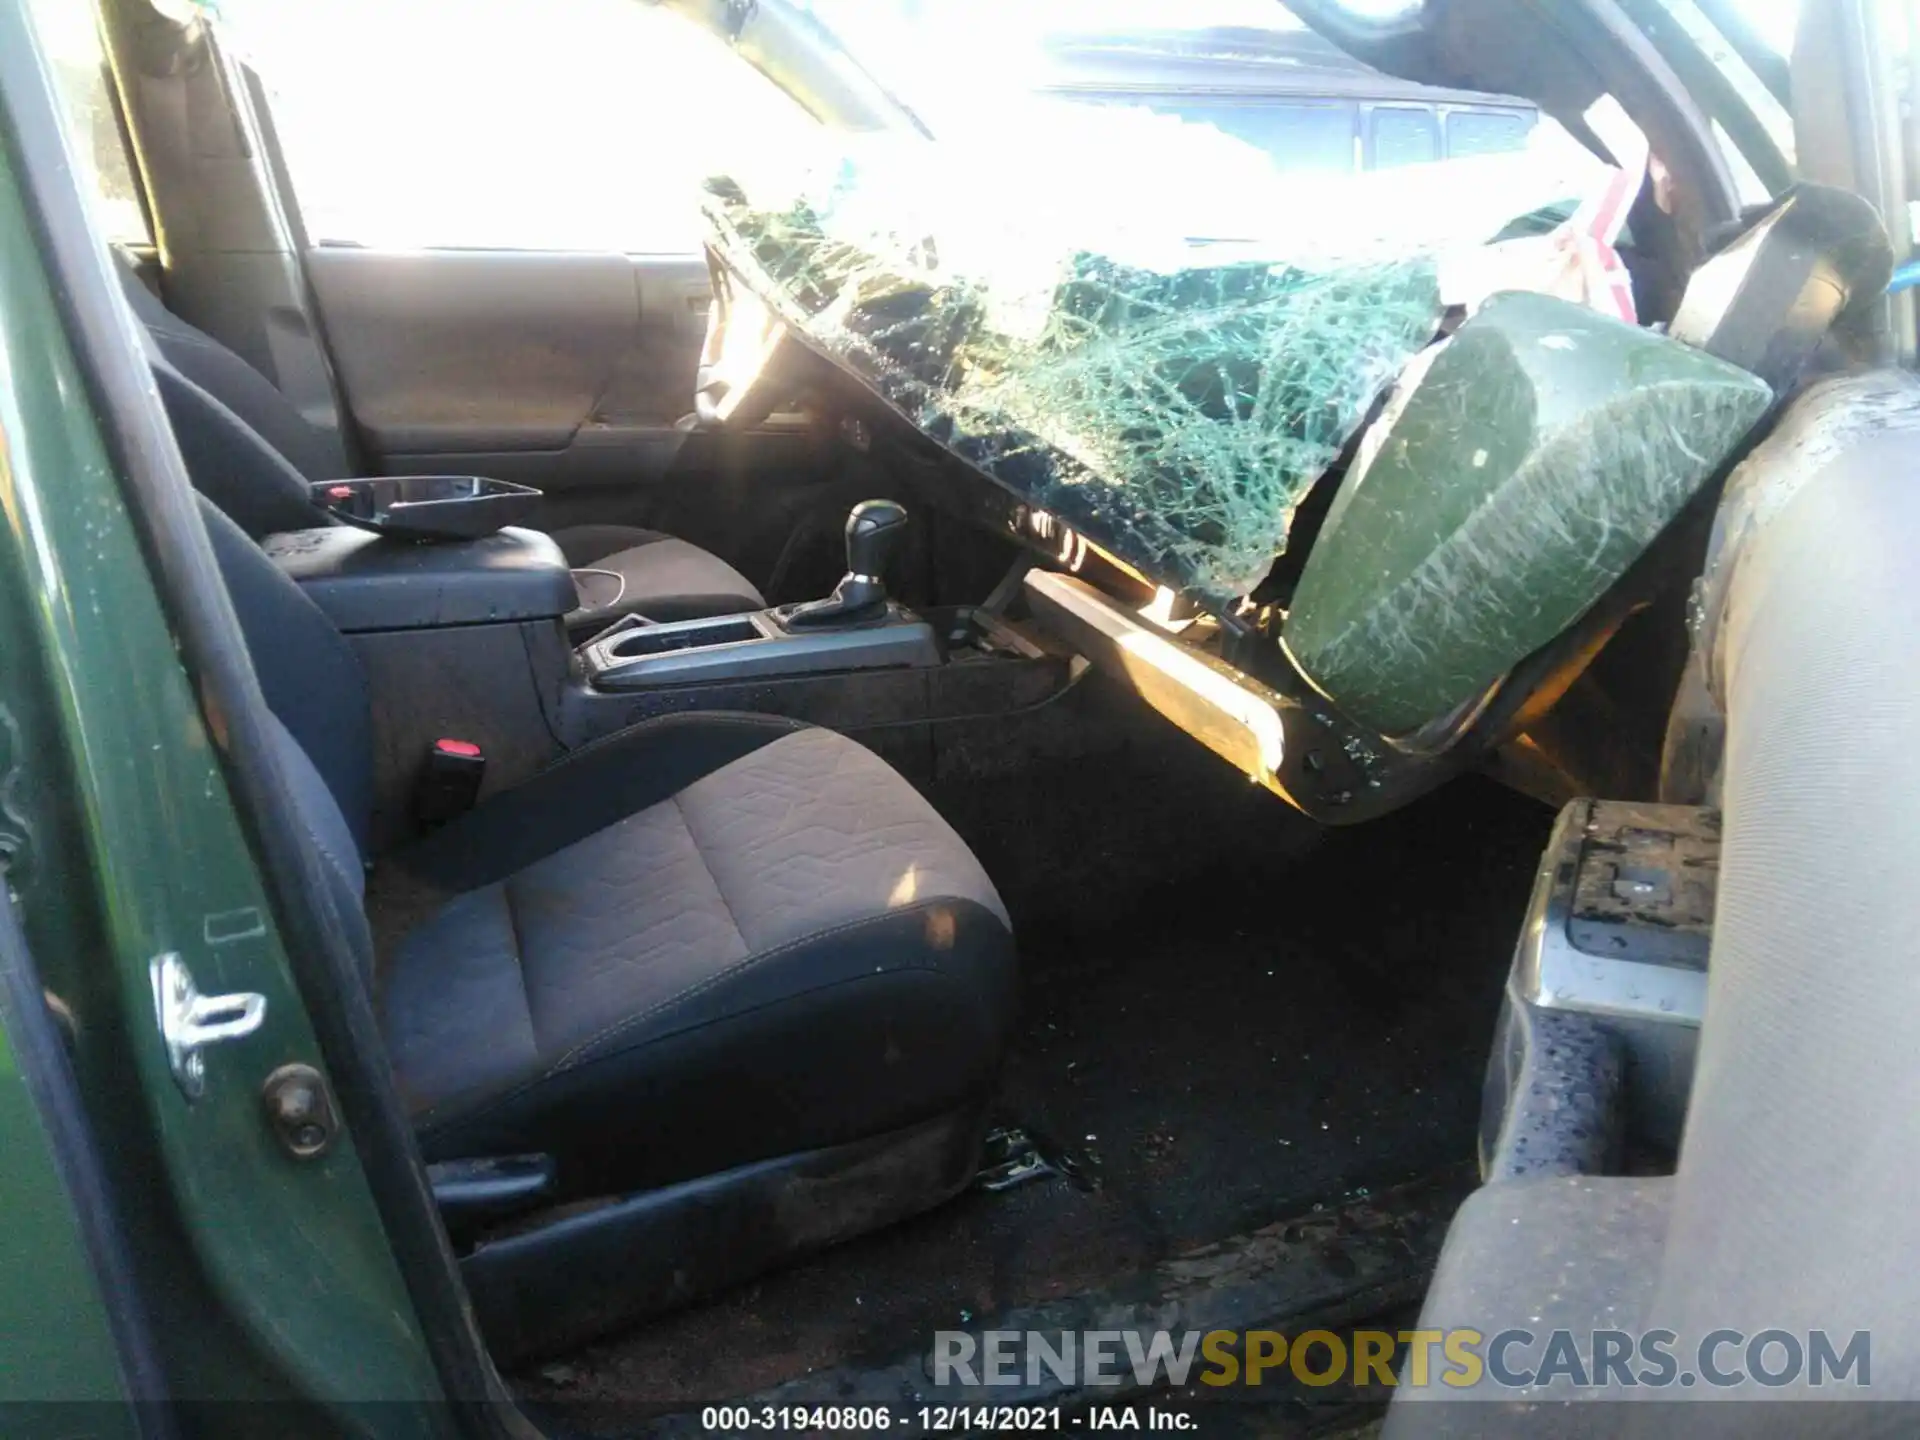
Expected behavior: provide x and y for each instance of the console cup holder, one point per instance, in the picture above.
(635, 654)
(659, 639)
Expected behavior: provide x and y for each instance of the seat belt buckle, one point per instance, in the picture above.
(449, 782)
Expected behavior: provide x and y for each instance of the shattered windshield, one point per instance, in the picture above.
(1170, 400)
(1146, 325)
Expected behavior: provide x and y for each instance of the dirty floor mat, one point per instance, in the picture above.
(1230, 1017)
(1358, 1264)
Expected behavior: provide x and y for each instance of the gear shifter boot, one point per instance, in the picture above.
(874, 528)
(856, 600)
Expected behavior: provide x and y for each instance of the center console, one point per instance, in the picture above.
(460, 639)
(857, 627)
(634, 654)
(460, 626)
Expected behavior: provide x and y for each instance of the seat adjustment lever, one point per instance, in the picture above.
(474, 1193)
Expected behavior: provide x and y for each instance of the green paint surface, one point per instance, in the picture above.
(56, 1350)
(1540, 454)
(269, 1278)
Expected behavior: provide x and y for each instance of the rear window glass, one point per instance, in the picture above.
(1485, 132)
(1298, 137)
(1294, 135)
(1404, 136)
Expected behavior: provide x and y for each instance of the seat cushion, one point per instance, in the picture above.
(712, 940)
(659, 576)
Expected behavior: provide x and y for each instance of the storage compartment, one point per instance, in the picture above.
(987, 706)
(428, 507)
(659, 639)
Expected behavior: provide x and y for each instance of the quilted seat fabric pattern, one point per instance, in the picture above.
(661, 577)
(800, 869)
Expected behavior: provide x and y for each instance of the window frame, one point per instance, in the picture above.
(1726, 98)
(83, 136)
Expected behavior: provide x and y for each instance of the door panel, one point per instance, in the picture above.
(569, 371)
(573, 367)
(468, 350)
(654, 383)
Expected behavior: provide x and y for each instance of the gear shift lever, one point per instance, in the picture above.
(874, 527)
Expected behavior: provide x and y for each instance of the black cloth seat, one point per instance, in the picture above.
(712, 939)
(704, 942)
(648, 573)
(251, 452)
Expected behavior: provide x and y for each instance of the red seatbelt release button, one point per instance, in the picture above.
(449, 782)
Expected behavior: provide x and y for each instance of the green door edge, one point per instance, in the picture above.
(58, 1356)
(126, 846)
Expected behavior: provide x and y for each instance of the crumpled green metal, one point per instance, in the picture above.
(1503, 492)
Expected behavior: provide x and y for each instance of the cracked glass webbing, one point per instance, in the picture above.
(1046, 310)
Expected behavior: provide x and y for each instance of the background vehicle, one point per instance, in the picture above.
(1298, 98)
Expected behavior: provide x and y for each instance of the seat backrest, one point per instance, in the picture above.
(312, 683)
(255, 400)
(229, 462)
(1794, 1205)
(247, 449)
(1766, 300)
